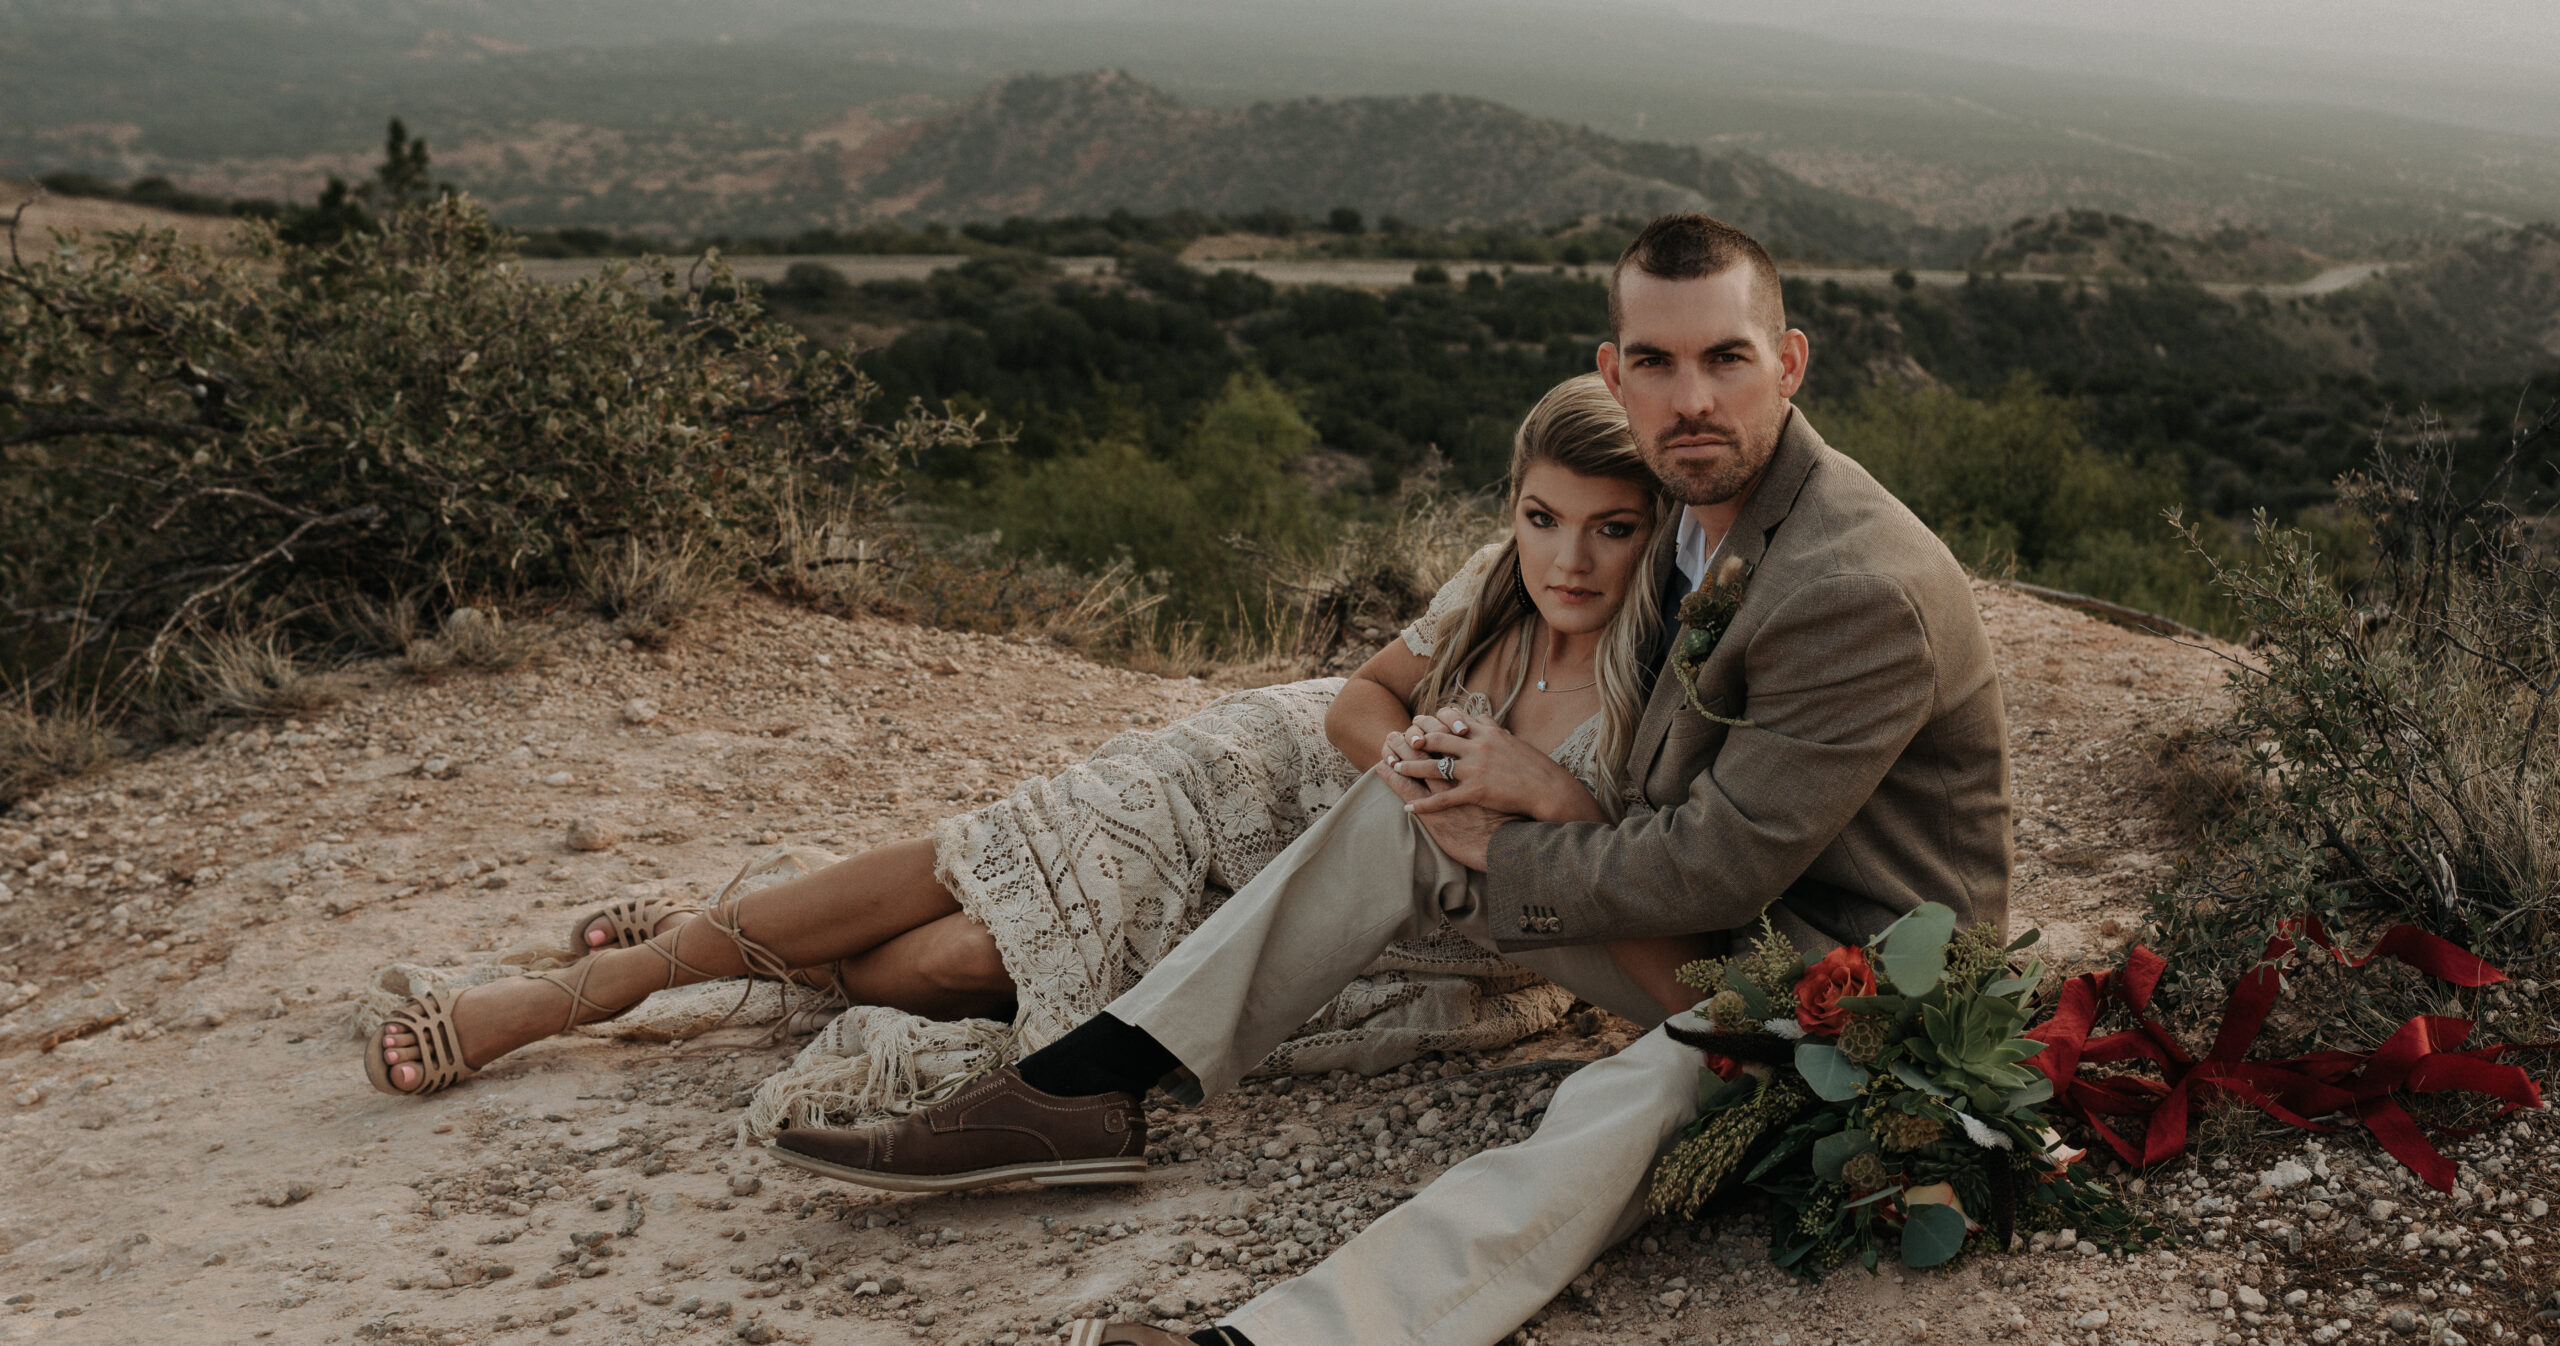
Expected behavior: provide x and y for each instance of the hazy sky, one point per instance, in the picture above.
(2501, 32)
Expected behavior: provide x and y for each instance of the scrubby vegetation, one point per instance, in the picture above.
(391, 418)
(2391, 759)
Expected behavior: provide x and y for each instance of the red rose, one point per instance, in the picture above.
(1843, 972)
(1725, 1067)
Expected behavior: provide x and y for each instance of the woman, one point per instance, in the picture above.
(1045, 906)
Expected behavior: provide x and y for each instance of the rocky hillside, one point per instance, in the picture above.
(2101, 244)
(1088, 144)
(188, 1149)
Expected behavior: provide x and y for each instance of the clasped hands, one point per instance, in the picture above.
(1463, 776)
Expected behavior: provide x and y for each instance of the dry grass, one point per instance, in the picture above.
(475, 639)
(652, 590)
(41, 749)
(258, 675)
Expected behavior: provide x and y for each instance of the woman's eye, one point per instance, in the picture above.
(1617, 530)
(1539, 518)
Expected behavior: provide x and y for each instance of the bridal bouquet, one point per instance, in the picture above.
(1880, 1095)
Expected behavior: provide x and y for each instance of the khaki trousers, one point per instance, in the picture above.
(1470, 1258)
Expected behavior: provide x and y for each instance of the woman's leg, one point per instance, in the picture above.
(844, 910)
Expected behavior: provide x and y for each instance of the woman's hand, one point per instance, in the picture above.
(1464, 760)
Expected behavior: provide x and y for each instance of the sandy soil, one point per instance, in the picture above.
(191, 1153)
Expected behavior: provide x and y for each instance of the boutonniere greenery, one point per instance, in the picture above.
(1707, 612)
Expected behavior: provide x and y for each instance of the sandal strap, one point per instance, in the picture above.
(437, 1040)
(577, 993)
(633, 921)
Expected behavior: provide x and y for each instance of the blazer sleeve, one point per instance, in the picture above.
(1838, 681)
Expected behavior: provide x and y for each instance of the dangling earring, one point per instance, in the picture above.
(1520, 586)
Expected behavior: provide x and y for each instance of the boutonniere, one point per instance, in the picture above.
(1707, 611)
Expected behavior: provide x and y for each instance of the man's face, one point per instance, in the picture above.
(1704, 378)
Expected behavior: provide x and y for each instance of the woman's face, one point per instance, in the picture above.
(1580, 539)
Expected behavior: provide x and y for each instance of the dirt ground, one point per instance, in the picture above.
(191, 1152)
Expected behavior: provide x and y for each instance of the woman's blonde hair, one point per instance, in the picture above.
(1579, 427)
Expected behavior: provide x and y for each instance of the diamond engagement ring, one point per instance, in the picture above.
(1449, 769)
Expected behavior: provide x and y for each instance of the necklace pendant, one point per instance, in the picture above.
(1542, 684)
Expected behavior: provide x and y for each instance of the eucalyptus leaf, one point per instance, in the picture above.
(1832, 1152)
(1832, 1077)
(2033, 934)
(1911, 1074)
(1914, 949)
(1931, 1235)
(1872, 1198)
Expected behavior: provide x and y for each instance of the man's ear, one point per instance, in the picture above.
(1608, 359)
(1795, 351)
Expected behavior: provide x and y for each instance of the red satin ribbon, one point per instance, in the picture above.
(2424, 1056)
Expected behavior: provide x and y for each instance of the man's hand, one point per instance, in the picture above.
(1463, 831)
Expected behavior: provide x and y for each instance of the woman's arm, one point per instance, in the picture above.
(1372, 703)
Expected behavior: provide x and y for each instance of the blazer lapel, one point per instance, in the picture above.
(1789, 465)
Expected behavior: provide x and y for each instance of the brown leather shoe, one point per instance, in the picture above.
(998, 1129)
(1095, 1332)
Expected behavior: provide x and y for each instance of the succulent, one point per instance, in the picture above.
(1968, 1046)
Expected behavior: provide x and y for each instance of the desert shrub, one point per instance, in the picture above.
(2015, 489)
(2399, 740)
(392, 413)
(1113, 502)
(476, 640)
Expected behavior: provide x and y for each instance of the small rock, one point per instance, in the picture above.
(594, 834)
(1672, 1299)
(2250, 1299)
(285, 1195)
(2381, 1210)
(2403, 1322)
(2537, 1208)
(559, 778)
(2294, 1299)
(2285, 1176)
(639, 710)
(2217, 1299)
(2090, 1321)
(745, 1184)
(1431, 1123)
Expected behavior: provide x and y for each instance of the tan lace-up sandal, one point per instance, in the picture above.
(439, 1041)
(632, 921)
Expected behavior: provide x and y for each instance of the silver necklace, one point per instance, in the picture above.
(1543, 655)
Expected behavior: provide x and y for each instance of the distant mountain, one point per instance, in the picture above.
(1091, 143)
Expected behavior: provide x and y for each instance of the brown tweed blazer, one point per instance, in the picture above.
(1874, 775)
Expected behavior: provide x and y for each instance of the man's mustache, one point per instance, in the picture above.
(1687, 426)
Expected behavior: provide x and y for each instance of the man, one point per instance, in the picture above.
(1854, 767)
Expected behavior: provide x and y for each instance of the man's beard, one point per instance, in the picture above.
(1711, 483)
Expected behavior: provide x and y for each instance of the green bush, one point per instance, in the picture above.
(398, 411)
(2398, 729)
(2013, 487)
(1172, 515)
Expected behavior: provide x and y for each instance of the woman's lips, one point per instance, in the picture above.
(1574, 595)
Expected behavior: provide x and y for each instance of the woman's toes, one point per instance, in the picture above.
(598, 936)
(404, 1077)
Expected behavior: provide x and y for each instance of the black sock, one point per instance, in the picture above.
(1099, 1056)
(1220, 1336)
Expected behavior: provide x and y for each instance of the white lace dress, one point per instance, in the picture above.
(1087, 878)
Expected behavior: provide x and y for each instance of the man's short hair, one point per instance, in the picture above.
(1690, 246)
